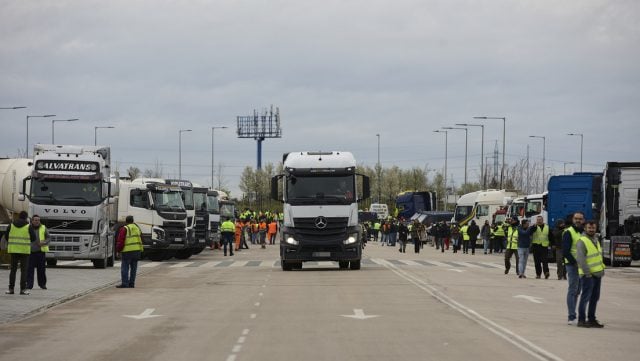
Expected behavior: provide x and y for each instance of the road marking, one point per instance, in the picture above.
(117, 264)
(245, 332)
(494, 265)
(425, 263)
(455, 270)
(411, 263)
(238, 264)
(506, 334)
(67, 263)
(253, 315)
(440, 264)
(231, 358)
(257, 304)
(253, 263)
(241, 339)
(224, 263)
(480, 264)
(530, 298)
(326, 264)
(151, 265)
(181, 265)
(145, 314)
(211, 264)
(468, 264)
(358, 314)
(260, 294)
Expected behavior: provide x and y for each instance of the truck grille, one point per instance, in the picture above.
(335, 230)
(67, 224)
(70, 243)
(214, 226)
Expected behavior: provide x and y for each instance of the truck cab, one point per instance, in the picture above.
(201, 223)
(213, 206)
(320, 196)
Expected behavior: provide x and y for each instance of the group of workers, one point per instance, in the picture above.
(250, 227)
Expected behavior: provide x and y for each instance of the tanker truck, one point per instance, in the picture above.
(12, 172)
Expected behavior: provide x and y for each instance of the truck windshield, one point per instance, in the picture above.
(320, 190)
(200, 201)
(214, 207)
(227, 210)
(462, 212)
(187, 198)
(67, 192)
(168, 199)
(516, 210)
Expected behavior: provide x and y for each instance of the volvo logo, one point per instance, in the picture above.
(65, 224)
(321, 222)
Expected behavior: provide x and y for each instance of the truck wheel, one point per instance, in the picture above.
(343, 264)
(286, 266)
(355, 265)
(156, 256)
(52, 262)
(183, 254)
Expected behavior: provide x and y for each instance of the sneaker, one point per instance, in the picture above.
(595, 324)
(538, 277)
(10, 292)
(546, 276)
(573, 322)
(584, 324)
(24, 292)
(43, 287)
(506, 271)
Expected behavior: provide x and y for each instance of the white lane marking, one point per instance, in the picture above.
(455, 270)
(264, 286)
(245, 332)
(260, 294)
(410, 263)
(506, 334)
(253, 315)
(181, 265)
(358, 314)
(377, 261)
(494, 265)
(241, 339)
(440, 264)
(257, 304)
(145, 314)
(231, 358)
(467, 264)
(238, 264)
(236, 348)
(530, 298)
(151, 265)
(210, 264)
(326, 264)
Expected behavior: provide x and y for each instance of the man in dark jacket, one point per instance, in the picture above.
(473, 231)
(556, 243)
(19, 237)
(403, 235)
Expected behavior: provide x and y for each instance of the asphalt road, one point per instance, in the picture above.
(427, 306)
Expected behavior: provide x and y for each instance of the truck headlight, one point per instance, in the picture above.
(290, 240)
(158, 233)
(95, 241)
(353, 238)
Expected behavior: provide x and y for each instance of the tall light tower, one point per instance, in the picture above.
(260, 127)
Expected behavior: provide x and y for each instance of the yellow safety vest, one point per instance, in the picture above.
(512, 238)
(594, 256)
(227, 226)
(541, 237)
(133, 241)
(465, 234)
(41, 233)
(499, 231)
(19, 240)
(575, 236)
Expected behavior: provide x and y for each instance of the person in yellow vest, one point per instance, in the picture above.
(570, 239)
(540, 247)
(129, 245)
(591, 270)
(19, 238)
(512, 245)
(464, 233)
(227, 233)
(37, 258)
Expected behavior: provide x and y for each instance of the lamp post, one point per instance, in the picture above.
(12, 108)
(581, 144)
(564, 167)
(466, 138)
(504, 139)
(34, 116)
(95, 133)
(180, 151)
(544, 153)
(212, 164)
(482, 175)
(53, 121)
(379, 171)
(446, 147)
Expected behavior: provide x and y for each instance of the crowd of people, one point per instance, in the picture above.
(250, 227)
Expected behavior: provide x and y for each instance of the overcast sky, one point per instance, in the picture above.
(340, 72)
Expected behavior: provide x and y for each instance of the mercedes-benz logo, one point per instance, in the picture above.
(321, 222)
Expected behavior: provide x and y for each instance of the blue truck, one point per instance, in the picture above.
(410, 203)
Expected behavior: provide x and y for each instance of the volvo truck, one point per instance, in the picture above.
(320, 194)
(12, 172)
(201, 220)
(213, 207)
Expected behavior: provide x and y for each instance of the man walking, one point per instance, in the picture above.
(129, 245)
(227, 232)
(403, 235)
(464, 232)
(37, 258)
(485, 234)
(591, 271)
(473, 231)
(524, 243)
(512, 245)
(19, 239)
(540, 247)
(569, 243)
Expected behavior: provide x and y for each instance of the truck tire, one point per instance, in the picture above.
(52, 262)
(286, 266)
(155, 256)
(343, 264)
(355, 265)
(183, 254)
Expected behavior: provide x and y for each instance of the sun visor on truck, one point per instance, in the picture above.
(321, 171)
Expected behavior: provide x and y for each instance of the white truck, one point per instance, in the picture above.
(529, 207)
(320, 195)
(68, 187)
(157, 208)
(12, 172)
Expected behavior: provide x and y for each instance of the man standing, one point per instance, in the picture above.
(464, 232)
(569, 243)
(417, 232)
(512, 245)
(19, 238)
(540, 247)
(473, 231)
(37, 258)
(403, 235)
(485, 234)
(524, 243)
(227, 232)
(129, 245)
(557, 245)
(591, 271)
(499, 236)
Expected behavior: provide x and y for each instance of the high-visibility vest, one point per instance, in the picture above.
(575, 236)
(594, 256)
(227, 227)
(499, 231)
(133, 241)
(512, 238)
(541, 237)
(376, 226)
(272, 227)
(19, 240)
(262, 227)
(464, 230)
(41, 232)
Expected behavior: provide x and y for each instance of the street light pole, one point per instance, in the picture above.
(466, 138)
(504, 140)
(12, 108)
(564, 168)
(53, 137)
(446, 148)
(379, 171)
(95, 133)
(180, 151)
(212, 164)
(482, 175)
(34, 116)
(581, 144)
(544, 154)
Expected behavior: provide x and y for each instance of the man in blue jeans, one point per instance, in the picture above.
(569, 241)
(591, 271)
(129, 245)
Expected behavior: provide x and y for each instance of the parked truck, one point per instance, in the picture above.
(68, 187)
(201, 220)
(320, 197)
(213, 207)
(12, 172)
(409, 203)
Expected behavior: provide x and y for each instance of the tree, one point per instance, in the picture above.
(133, 172)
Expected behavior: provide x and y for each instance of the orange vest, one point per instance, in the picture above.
(272, 227)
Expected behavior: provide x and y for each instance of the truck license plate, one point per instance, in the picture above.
(321, 254)
(201, 240)
(178, 239)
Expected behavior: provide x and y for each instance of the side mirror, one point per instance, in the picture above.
(366, 188)
(274, 188)
(21, 197)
